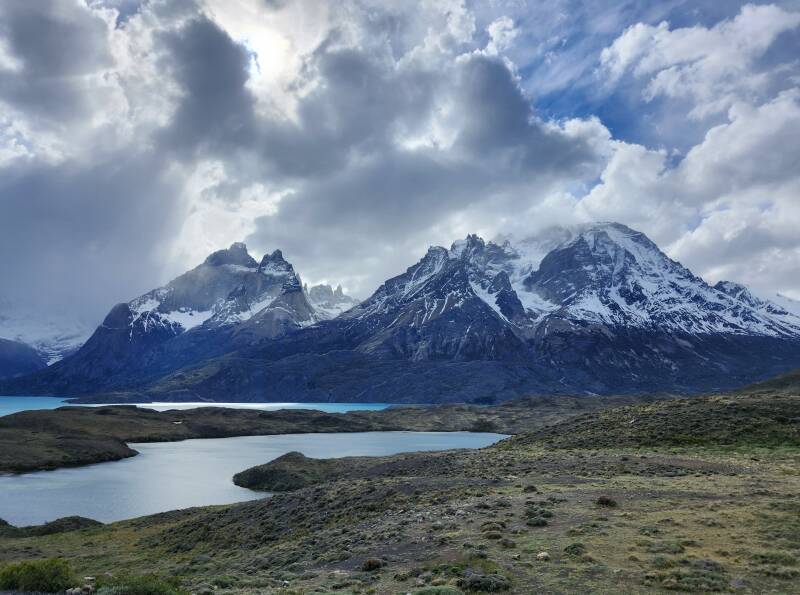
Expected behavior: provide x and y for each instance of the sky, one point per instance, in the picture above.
(137, 136)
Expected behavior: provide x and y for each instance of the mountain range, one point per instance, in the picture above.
(593, 309)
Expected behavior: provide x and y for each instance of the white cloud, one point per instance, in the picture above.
(728, 209)
(713, 67)
(216, 215)
(501, 34)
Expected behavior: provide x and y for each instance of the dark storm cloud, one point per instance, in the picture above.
(343, 153)
(84, 236)
(216, 110)
(356, 108)
(56, 43)
(80, 229)
(500, 118)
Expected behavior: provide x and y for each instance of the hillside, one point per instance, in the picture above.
(785, 383)
(760, 418)
(18, 359)
(635, 512)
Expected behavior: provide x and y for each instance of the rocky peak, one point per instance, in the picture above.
(328, 301)
(235, 255)
(468, 247)
(275, 264)
(325, 293)
(603, 256)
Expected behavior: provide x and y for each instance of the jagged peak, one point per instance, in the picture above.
(467, 246)
(619, 242)
(275, 263)
(618, 233)
(324, 293)
(237, 254)
(435, 251)
(776, 303)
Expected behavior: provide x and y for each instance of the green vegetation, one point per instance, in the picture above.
(46, 576)
(762, 420)
(72, 523)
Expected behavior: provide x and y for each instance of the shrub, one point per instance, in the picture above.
(48, 576)
(575, 549)
(665, 547)
(483, 425)
(371, 564)
(489, 583)
(775, 558)
(606, 501)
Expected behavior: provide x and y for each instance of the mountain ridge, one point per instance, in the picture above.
(598, 309)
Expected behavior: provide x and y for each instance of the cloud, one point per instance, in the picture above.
(407, 151)
(215, 110)
(136, 137)
(58, 48)
(713, 67)
(726, 209)
(81, 238)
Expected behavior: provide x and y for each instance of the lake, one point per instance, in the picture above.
(172, 475)
(9, 405)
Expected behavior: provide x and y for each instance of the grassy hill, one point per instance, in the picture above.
(761, 419)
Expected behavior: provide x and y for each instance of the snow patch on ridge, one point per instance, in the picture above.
(489, 298)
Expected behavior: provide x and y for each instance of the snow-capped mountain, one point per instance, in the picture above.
(601, 274)
(52, 336)
(591, 309)
(329, 302)
(228, 301)
(612, 275)
(229, 288)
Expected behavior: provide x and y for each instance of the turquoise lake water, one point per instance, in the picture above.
(172, 475)
(10, 405)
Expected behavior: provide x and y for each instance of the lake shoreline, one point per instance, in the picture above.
(74, 436)
(193, 473)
